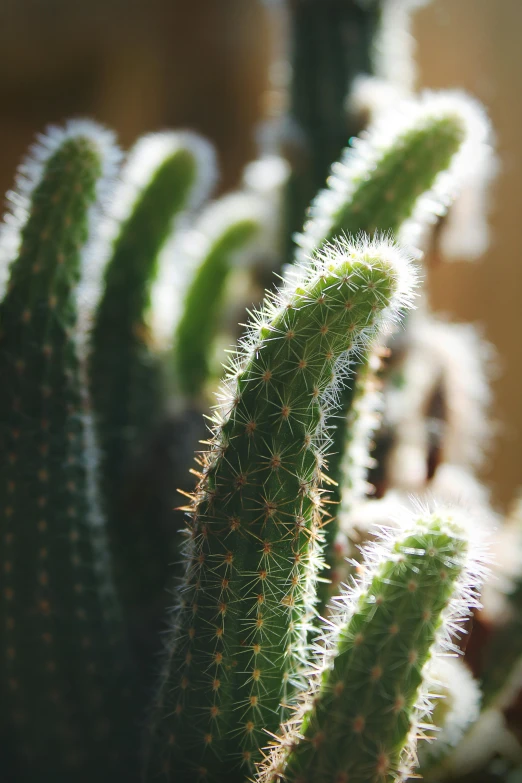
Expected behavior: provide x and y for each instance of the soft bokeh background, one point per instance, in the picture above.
(142, 65)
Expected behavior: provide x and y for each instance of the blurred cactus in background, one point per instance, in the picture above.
(323, 623)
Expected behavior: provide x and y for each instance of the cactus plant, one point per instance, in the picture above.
(320, 56)
(361, 719)
(166, 174)
(65, 672)
(291, 433)
(238, 634)
(226, 229)
(404, 155)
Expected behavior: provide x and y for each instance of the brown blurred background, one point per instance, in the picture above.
(142, 65)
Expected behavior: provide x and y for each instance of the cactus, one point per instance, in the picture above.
(165, 174)
(65, 673)
(403, 162)
(370, 698)
(291, 439)
(320, 55)
(226, 229)
(352, 429)
(238, 634)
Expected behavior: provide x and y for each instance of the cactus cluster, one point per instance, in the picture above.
(293, 654)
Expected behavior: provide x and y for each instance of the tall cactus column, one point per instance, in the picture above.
(166, 174)
(403, 172)
(64, 677)
(239, 636)
(331, 44)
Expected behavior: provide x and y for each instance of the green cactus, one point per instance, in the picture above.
(166, 174)
(64, 673)
(331, 44)
(348, 462)
(378, 186)
(239, 633)
(360, 722)
(225, 229)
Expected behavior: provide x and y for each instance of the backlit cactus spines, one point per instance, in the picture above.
(64, 676)
(240, 631)
(371, 692)
(420, 148)
(225, 230)
(166, 174)
(449, 363)
(456, 708)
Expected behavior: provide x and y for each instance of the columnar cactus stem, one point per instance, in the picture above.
(415, 151)
(361, 721)
(166, 174)
(240, 631)
(226, 229)
(377, 184)
(64, 674)
(348, 464)
(331, 44)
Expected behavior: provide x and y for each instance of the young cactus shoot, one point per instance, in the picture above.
(361, 720)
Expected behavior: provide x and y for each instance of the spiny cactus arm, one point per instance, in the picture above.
(63, 676)
(378, 186)
(226, 229)
(420, 148)
(361, 721)
(240, 631)
(166, 174)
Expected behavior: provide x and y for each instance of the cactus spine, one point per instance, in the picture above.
(166, 174)
(362, 719)
(64, 674)
(239, 632)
